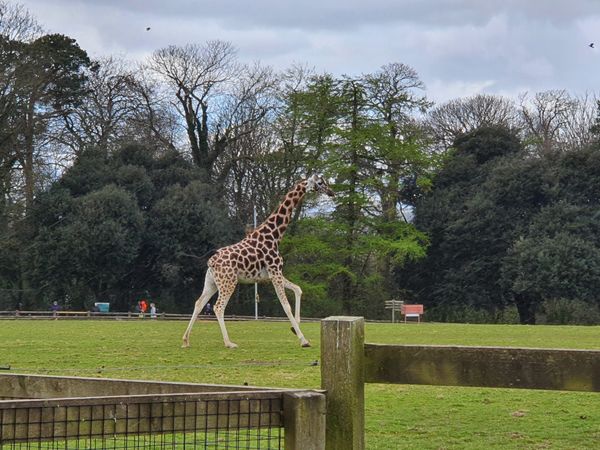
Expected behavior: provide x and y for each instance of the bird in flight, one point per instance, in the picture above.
(591, 45)
(147, 28)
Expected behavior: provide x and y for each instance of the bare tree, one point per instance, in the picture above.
(98, 119)
(575, 122)
(545, 120)
(17, 23)
(198, 75)
(394, 95)
(154, 123)
(220, 101)
(241, 113)
(292, 83)
(246, 138)
(120, 106)
(545, 116)
(395, 92)
(278, 151)
(451, 119)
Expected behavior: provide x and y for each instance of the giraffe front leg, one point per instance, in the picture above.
(278, 283)
(228, 343)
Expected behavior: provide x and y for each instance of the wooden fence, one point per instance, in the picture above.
(39, 411)
(347, 363)
(85, 315)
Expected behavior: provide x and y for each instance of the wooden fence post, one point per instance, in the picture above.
(342, 376)
(304, 420)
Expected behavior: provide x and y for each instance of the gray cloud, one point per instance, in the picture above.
(337, 14)
(458, 47)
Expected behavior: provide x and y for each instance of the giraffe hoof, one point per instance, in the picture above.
(306, 344)
(231, 345)
(293, 331)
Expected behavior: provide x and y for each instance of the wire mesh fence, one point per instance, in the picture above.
(242, 420)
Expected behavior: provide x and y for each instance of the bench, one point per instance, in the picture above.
(412, 311)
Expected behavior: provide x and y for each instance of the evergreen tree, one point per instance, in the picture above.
(359, 131)
(480, 200)
(116, 226)
(507, 228)
(558, 255)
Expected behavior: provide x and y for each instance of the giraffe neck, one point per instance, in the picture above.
(278, 221)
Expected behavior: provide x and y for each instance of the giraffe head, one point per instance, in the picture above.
(317, 183)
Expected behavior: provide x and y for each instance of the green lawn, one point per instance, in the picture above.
(397, 417)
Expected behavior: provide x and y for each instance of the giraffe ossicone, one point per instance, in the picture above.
(256, 258)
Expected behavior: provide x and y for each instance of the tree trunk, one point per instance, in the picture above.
(352, 212)
(526, 306)
(27, 161)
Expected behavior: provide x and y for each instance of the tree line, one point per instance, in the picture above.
(116, 177)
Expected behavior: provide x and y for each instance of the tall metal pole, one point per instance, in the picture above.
(255, 284)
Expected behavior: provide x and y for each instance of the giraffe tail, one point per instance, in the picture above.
(206, 255)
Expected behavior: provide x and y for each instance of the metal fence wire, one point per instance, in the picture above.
(248, 420)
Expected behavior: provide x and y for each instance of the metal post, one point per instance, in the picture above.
(255, 284)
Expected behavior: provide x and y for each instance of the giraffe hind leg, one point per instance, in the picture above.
(209, 290)
(297, 297)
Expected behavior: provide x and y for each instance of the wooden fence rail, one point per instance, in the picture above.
(348, 363)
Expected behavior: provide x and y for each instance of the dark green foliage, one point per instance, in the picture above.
(487, 143)
(561, 311)
(50, 69)
(188, 221)
(79, 259)
(313, 256)
(507, 229)
(117, 226)
(574, 176)
(562, 266)
(10, 272)
(470, 216)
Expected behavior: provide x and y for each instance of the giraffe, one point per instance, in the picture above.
(256, 258)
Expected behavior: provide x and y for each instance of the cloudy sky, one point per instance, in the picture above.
(458, 47)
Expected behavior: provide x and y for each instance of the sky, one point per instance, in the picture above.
(457, 47)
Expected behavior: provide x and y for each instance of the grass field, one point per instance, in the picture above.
(397, 417)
